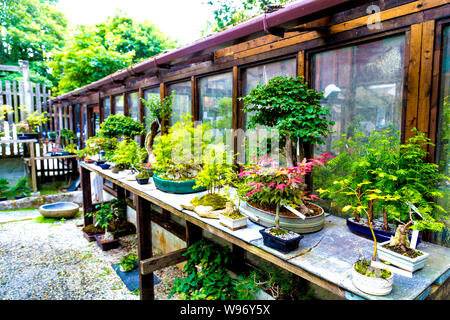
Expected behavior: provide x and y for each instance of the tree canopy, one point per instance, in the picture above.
(227, 13)
(93, 52)
(30, 30)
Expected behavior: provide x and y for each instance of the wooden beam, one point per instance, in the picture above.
(144, 237)
(150, 265)
(87, 196)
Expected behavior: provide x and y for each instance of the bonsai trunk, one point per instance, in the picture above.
(149, 139)
(385, 220)
(108, 235)
(370, 220)
(400, 239)
(288, 150)
(277, 217)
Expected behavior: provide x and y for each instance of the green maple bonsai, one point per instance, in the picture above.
(118, 125)
(128, 153)
(288, 105)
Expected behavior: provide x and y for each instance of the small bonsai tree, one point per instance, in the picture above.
(4, 110)
(108, 216)
(22, 188)
(96, 144)
(288, 105)
(159, 112)
(179, 152)
(32, 121)
(118, 125)
(128, 153)
(4, 186)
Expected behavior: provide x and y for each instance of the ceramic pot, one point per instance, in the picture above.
(400, 260)
(371, 285)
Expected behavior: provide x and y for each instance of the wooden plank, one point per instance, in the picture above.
(426, 70)
(194, 232)
(301, 63)
(163, 94)
(144, 237)
(152, 264)
(85, 176)
(194, 100)
(141, 115)
(413, 79)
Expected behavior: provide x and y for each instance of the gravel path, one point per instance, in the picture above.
(46, 261)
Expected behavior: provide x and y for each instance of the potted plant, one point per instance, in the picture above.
(22, 188)
(52, 136)
(120, 126)
(129, 154)
(4, 184)
(128, 262)
(179, 156)
(69, 137)
(142, 177)
(289, 106)
(90, 231)
(104, 217)
(158, 111)
(95, 146)
(232, 218)
(27, 127)
(365, 277)
(275, 194)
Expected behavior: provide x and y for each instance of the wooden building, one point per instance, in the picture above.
(379, 63)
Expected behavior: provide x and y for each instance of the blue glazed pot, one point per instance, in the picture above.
(364, 231)
(281, 245)
(104, 166)
(180, 187)
(142, 180)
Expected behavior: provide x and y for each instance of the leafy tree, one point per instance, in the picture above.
(30, 30)
(288, 105)
(119, 125)
(227, 13)
(93, 52)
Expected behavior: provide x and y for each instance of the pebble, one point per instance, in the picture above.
(53, 261)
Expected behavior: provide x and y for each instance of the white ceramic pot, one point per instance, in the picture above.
(400, 260)
(233, 224)
(371, 285)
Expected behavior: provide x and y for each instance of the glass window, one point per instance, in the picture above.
(119, 104)
(216, 104)
(362, 85)
(133, 105)
(442, 147)
(78, 124)
(182, 100)
(152, 92)
(251, 77)
(107, 107)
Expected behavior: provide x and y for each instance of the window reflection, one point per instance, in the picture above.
(133, 105)
(182, 100)
(119, 104)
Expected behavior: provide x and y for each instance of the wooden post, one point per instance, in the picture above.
(33, 166)
(193, 233)
(87, 196)
(144, 236)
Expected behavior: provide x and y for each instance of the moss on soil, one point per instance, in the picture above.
(214, 200)
(364, 267)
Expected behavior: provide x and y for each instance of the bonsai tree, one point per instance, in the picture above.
(128, 153)
(69, 136)
(32, 121)
(268, 183)
(118, 125)
(4, 185)
(288, 105)
(179, 152)
(108, 216)
(22, 188)
(159, 112)
(4, 110)
(96, 144)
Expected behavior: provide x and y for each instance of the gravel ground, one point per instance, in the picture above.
(53, 261)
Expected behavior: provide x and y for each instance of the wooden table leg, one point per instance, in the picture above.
(87, 195)
(33, 167)
(144, 237)
(193, 233)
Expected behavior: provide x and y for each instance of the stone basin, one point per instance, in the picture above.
(59, 210)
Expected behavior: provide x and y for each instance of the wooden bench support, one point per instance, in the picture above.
(144, 237)
(149, 265)
(87, 196)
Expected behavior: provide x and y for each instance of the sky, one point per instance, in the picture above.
(178, 19)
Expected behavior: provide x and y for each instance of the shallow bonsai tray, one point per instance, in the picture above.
(88, 237)
(401, 261)
(178, 187)
(106, 245)
(284, 246)
(362, 230)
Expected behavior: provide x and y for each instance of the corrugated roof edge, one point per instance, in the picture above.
(294, 11)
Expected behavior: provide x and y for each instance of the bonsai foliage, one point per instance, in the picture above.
(129, 153)
(4, 110)
(96, 144)
(22, 188)
(288, 105)
(31, 121)
(128, 262)
(159, 112)
(215, 171)
(68, 135)
(4, 185)
(143, 175)
(393, 176)
(179, 152)
(267, 183)
(118, 125)
(109, 214)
